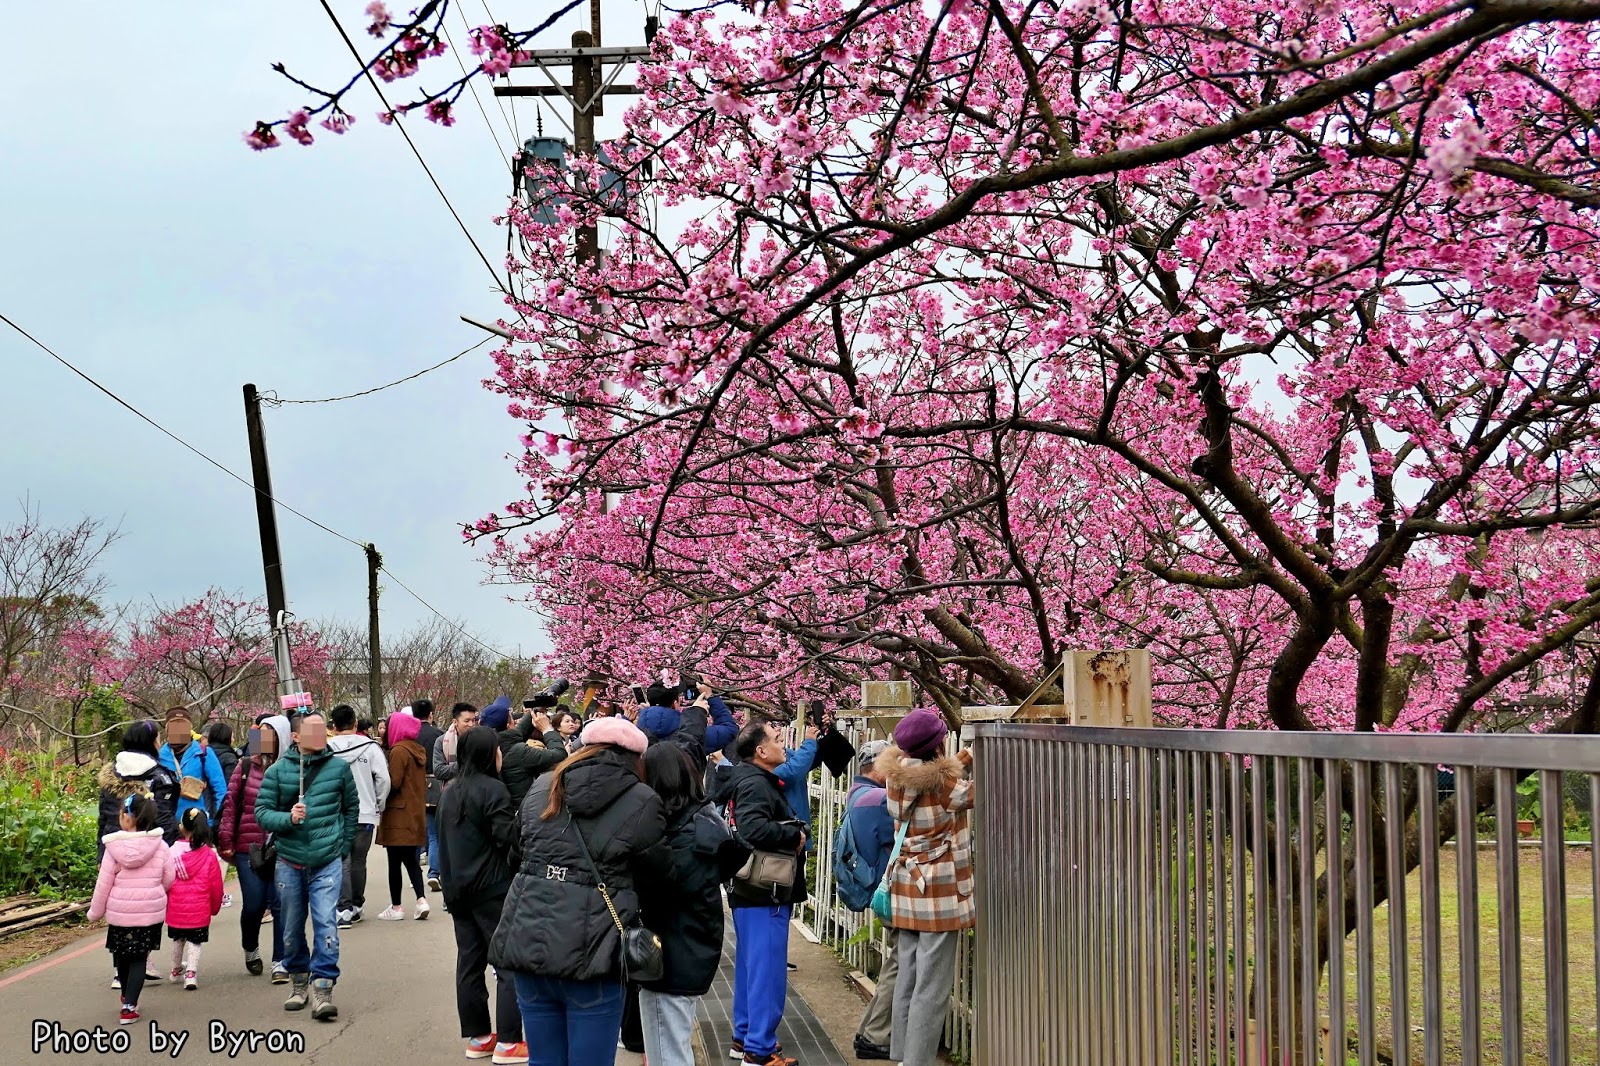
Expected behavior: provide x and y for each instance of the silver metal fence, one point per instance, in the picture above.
(856, 937)
(1164, 896)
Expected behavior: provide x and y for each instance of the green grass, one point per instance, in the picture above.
(1581, 961)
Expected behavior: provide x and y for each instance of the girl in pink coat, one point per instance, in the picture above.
(131, 894)
(195, 895)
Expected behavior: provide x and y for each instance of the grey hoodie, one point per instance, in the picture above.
(370, 767)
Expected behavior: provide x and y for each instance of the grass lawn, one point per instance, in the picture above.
(1581, 962)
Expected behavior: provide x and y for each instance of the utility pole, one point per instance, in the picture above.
(374, 652)
(583, 88)
(272, 564)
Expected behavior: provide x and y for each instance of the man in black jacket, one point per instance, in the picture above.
(763, 821)
(523, 754)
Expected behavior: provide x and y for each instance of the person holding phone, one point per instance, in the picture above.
(663, 717)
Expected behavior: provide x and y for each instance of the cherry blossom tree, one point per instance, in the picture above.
(970, 331)
(215, 654)
(1266, 340)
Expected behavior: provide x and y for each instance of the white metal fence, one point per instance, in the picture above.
(858, 938)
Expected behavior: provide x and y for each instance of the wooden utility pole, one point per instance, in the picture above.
(272, 563)
(374, 649)
(584, 77)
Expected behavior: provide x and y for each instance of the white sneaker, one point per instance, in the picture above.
(433, 883)
(116, 982)
(422, 910)
(391, 914)
(227, 899)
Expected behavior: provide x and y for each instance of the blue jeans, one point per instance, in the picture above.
(314, 888)
(257, 898)
(435, 867)
(760, 976)
(570, 1023)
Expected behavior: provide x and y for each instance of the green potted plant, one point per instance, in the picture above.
(1527, 806)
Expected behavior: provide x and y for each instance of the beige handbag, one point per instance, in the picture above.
(195, 787)
(765, 874)
(768, 873)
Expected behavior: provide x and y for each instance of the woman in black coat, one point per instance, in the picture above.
(584, 825)
(137, 770)
(684, 908)
(478, 846)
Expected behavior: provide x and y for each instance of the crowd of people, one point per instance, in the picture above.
(587, 860)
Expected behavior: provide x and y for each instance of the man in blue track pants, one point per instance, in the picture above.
(762, 819)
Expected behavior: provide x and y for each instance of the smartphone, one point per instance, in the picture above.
(529, 705)
(818, 712)
(253, 742)
(639, 697)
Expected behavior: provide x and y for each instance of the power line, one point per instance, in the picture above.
(494, 133)
(272, 398)
(400, 125)
(442, 617)
(163, 429)
(243, 481)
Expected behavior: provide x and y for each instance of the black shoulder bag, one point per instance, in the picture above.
(641, 960)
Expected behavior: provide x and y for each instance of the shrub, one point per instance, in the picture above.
(47, 837)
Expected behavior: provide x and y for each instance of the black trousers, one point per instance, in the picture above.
(353, 893)
(632, 1024)
(475, 924)
(130, 971)
(404, 856)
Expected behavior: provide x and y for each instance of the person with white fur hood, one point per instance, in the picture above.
(137, 771)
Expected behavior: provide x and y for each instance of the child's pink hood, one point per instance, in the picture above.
(133, 850)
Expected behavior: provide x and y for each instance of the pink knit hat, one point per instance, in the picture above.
(618, 731)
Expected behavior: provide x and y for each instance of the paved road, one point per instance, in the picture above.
(396, 998)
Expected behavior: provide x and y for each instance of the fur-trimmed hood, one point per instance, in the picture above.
(917, 775)
(127, 775)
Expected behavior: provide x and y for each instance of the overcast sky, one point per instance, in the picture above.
(142, 240)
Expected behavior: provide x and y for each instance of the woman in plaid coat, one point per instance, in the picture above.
(930, 881)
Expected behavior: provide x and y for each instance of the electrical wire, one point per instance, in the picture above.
(246, 483)
(443, 618)
(163, 429)
(472, 85)
(499, 102)
(275, 401)
(400, 125)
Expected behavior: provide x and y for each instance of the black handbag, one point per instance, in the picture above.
(263, 859)
(641, 960)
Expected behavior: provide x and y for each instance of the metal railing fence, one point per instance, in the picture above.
(856, 937)
(1164, 896)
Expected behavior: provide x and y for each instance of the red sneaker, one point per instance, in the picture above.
(511, 1054)
(481, 1048)
(129, 1015)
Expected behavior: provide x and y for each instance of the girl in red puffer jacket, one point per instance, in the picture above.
(195, 895)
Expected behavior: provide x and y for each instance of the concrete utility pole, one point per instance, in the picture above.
(272, 564)
(374, 649)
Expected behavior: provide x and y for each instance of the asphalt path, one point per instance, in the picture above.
(396, 999)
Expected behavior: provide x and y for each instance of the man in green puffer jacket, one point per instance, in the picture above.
(308, 802)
